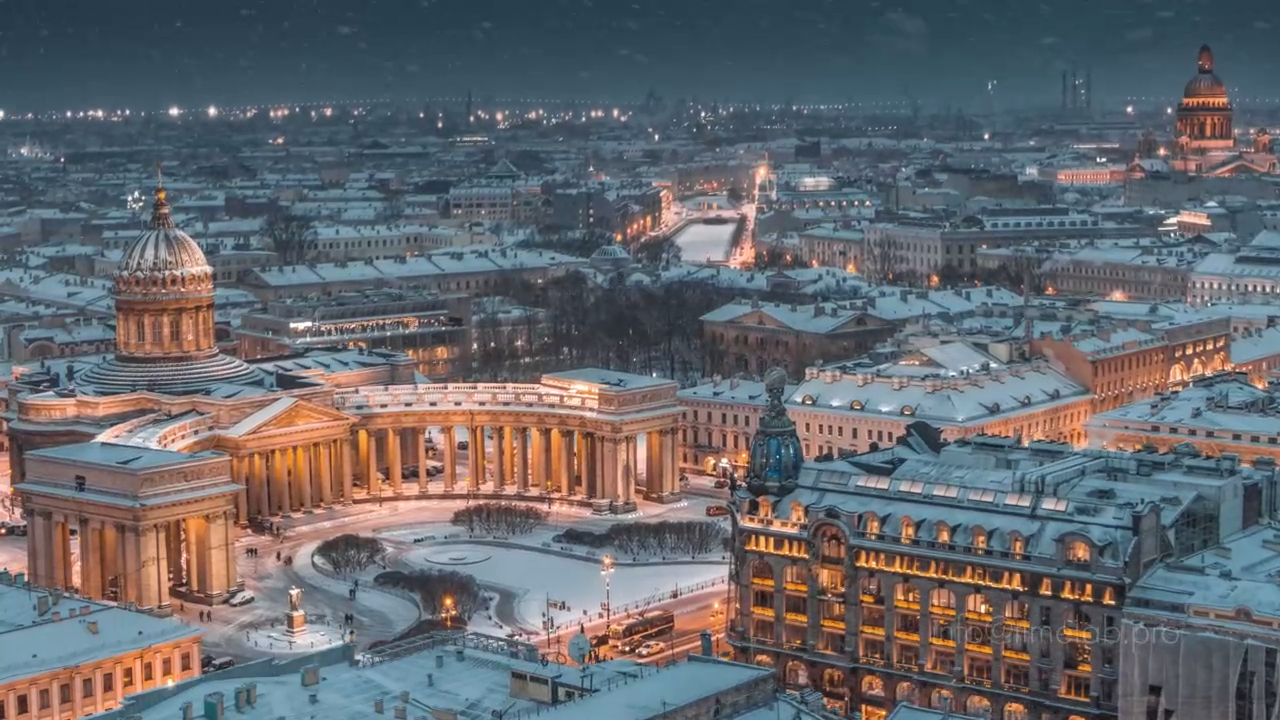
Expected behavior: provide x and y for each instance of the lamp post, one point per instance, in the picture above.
(606, 569)
(448, 612)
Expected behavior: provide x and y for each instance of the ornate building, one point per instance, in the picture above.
(155, 455)
(1204, 134)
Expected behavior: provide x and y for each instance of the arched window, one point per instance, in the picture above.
(832, 680)
(979, 539)
(908, 531)
(942, 532)
(870, 587)
(872, 686)
(872, 526)
(1078, 552)
(761, 570)
(1017, 610)
(762, 660)
(977, 706)
(833, 545)
(797, 512)
(977, 605)
(1017, 546)
(175, 329)
(905, 693)
(795, 575)
(942, 598)
(796, 674)
(906, 593)
(140, 330)
(941, 699)
(1015, 711)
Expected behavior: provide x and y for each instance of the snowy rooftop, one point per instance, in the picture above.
(120, 456)
(476, 684)
(435, 264)
(737, 392)
(912, 712)
(1241, 573)
(608, 379)
(1229, 405)
(36, 643)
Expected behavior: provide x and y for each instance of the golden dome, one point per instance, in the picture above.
(1205, 84)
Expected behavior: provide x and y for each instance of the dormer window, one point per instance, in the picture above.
(943, 534)
(1017, 547)
(808, 400)
(1077, 551)
(908, 531)
(980, 541)
(873, 527)
(908, 410)
(856, 405)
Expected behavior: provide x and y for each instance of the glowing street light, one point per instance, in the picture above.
(448, 612)
(175, 111)
(606, 569)
(213, 111)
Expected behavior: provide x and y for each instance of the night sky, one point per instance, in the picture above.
(110, 53)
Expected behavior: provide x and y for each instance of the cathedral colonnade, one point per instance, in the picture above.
(279, 480)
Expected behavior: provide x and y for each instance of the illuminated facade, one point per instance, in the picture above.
(937, 575)
(1204, 135)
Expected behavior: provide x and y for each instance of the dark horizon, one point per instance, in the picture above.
(242, 52)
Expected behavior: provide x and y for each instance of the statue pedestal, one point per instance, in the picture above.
(295, 623)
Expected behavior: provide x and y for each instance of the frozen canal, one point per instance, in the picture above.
(703, 243)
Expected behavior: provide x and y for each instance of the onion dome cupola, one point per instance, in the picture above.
(776, 454)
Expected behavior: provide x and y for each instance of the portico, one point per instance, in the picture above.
(148, 524)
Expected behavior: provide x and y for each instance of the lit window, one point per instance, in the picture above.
(1078, 552)
(908, 530)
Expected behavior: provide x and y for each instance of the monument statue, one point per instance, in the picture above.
(295, 599)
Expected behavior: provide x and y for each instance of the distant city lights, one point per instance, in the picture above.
(213, 111)
(175, 111)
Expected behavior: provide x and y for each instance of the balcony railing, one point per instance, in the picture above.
(794, 617)
(1017, 655)
(763, 611)
(870, 599)
(978, 681)
(906, 605)
(762, 582)
(904, 635)
(770, 523)
(944, 642)
(831, 623)
(940, 610)
(796, 586)
(873, 629)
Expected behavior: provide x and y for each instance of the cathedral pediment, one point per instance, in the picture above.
(287, 415)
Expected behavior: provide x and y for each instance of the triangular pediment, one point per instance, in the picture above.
(287, 414)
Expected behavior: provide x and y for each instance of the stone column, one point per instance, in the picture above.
(143, 544)
(348, 472)
(240, 473)
(161, 542)
(479, 469)
(420, 451)
(215, 557)
(110, 556)
(229, 545)
(671, 462)
(263, 493)
(568, 462)
(499, 461)
(522, 459)
(90, 549)
(610, 475)
(555, 474)
(325, 452)
(371, 463)
(39, 574)
(127, 579)
(450, 450)
(302, 476)
(58, 570)
(589, 464)
(195, 580)
(362, 457)
(279, 483)
(545, 470)
(652, 470)
(509, 451)
(393, 460)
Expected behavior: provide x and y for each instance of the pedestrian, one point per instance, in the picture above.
(209, 615)
(277, 556)
(181, 607)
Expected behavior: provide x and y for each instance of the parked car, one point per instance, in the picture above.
(600, 640)
(717, 510)
(463, 444)
(244, 597)
(13, 528)
(221, 663)
(653, 647)
(720, 483)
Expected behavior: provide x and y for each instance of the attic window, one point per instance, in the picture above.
(908, 410)
(808, 400)
(949, 491)
(1054, 504)
(1018, 499)
(856, 405)
(911, 486)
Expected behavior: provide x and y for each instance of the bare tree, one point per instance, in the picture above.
(293, 237)
(348, 554)
(502, 518)
(882, 257)
(438, 590)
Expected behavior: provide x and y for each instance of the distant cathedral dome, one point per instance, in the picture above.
(163, 259)
(1205, 84)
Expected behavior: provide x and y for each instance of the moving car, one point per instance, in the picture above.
(653, 647)
(13, 528)
(244, 597)
(222, 663)
(720, 484)
(717, 510)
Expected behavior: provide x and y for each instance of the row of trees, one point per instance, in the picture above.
(500, 518)
(439, 591)
(627, 328)
(665, 538)
(348, 554)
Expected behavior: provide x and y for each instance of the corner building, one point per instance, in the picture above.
(153, 457)
(978, 576)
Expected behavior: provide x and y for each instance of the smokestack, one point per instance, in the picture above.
(705, 640)
(1064, 89)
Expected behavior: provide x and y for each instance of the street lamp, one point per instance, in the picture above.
(448, 612)
(606, 569)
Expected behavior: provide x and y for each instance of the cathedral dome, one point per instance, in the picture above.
(1205, 84)
(163, 249)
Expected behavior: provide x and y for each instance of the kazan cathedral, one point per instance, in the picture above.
(154, 457)
(1205, 141)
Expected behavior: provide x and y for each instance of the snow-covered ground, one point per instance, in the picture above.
(537, 576)
(701, 243)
